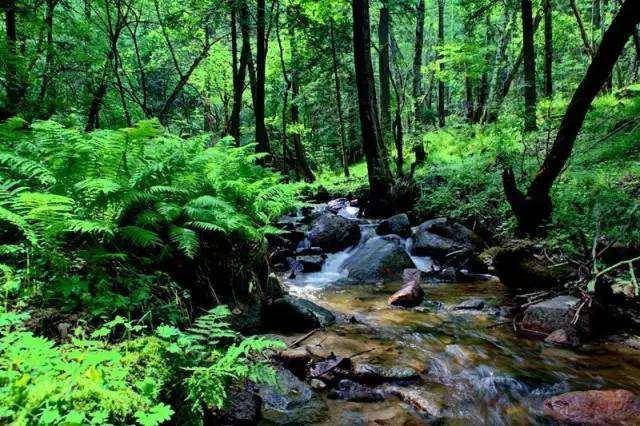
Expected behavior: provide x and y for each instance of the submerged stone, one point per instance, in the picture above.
(597, 407)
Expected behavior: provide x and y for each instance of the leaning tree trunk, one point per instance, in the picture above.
(380, 179)
(262, 137)
(417, 62)
(384, 70)
(441, 88)
(534, 208)
(529, 56)
(548, 48)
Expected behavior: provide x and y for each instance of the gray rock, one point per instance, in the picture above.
(474, 304)
(425, 243)
(454, 231)
(334, 206)
(291, 401)
(377, 374)
(333, 233)
(310, 263)
(380, 258)
(398, 225)
(290, 314)
(351, 391)
(243, 409)
(562, 337)
(553, 314)
(410, 295)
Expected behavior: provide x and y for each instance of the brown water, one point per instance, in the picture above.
(475, 370)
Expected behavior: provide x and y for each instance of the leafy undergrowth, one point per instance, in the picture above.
(595, 196)
(98, 228)
(145, 379)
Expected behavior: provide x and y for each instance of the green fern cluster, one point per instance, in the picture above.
(134, 196)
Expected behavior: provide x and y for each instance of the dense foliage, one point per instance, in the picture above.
(147, 147)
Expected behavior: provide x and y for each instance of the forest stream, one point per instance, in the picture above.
(473, 367)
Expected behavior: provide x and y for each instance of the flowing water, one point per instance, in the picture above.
(475, 369)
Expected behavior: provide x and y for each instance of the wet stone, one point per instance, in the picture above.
(611, 407)
(349, 390)
(310, 263)
(474, 304)
(376, 374)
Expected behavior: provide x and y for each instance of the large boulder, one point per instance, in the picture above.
(379, 259)
(291, 401)
(595, 407)
(455, 231)
(291, 314)
(333, 233)
(398, 225)
(425, 243)
(553, 314)
(519, 265)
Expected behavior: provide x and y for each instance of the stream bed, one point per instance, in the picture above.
(474, 369)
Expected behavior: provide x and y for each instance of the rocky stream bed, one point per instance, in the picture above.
(391, 324)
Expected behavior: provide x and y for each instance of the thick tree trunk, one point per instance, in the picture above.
(336, 77)
(380, 179)
(246, 44)
(384, 71)
(534, 208)
(548, 47)
(441, 88)
(529, 56)
(417, 63)
(93, 113)
(262, 137)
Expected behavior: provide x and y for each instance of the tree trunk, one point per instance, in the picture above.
(12, 82)
(417, 63)
(336, 77)
(483, 89)
(93, 114)
(380, 179)
(301, 156)
(48, 63)
(441, 88)
(239, 73)
(583, 33)
(548, 48)
(384, 70)
(528, 50)
(262, 137)
(503, 91)
(534, 208)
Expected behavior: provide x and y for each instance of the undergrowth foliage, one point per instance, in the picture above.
(110, 198)
(90, 381)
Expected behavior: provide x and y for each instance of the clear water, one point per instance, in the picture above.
(475, 369)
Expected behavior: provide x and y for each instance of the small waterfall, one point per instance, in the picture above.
(332, 270)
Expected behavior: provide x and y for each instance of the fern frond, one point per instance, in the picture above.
(185, 239)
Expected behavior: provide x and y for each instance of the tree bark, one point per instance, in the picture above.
(528, 50)
(441, 88)
(12, 83)
(417, 63)
(534, 208)
(239, 69)
(583, 33)
(301, 156)
(262, 137)
(548, 47)
(48, 62)
(384, 70)
(503, 91)
(380, 179)
(336, 77)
